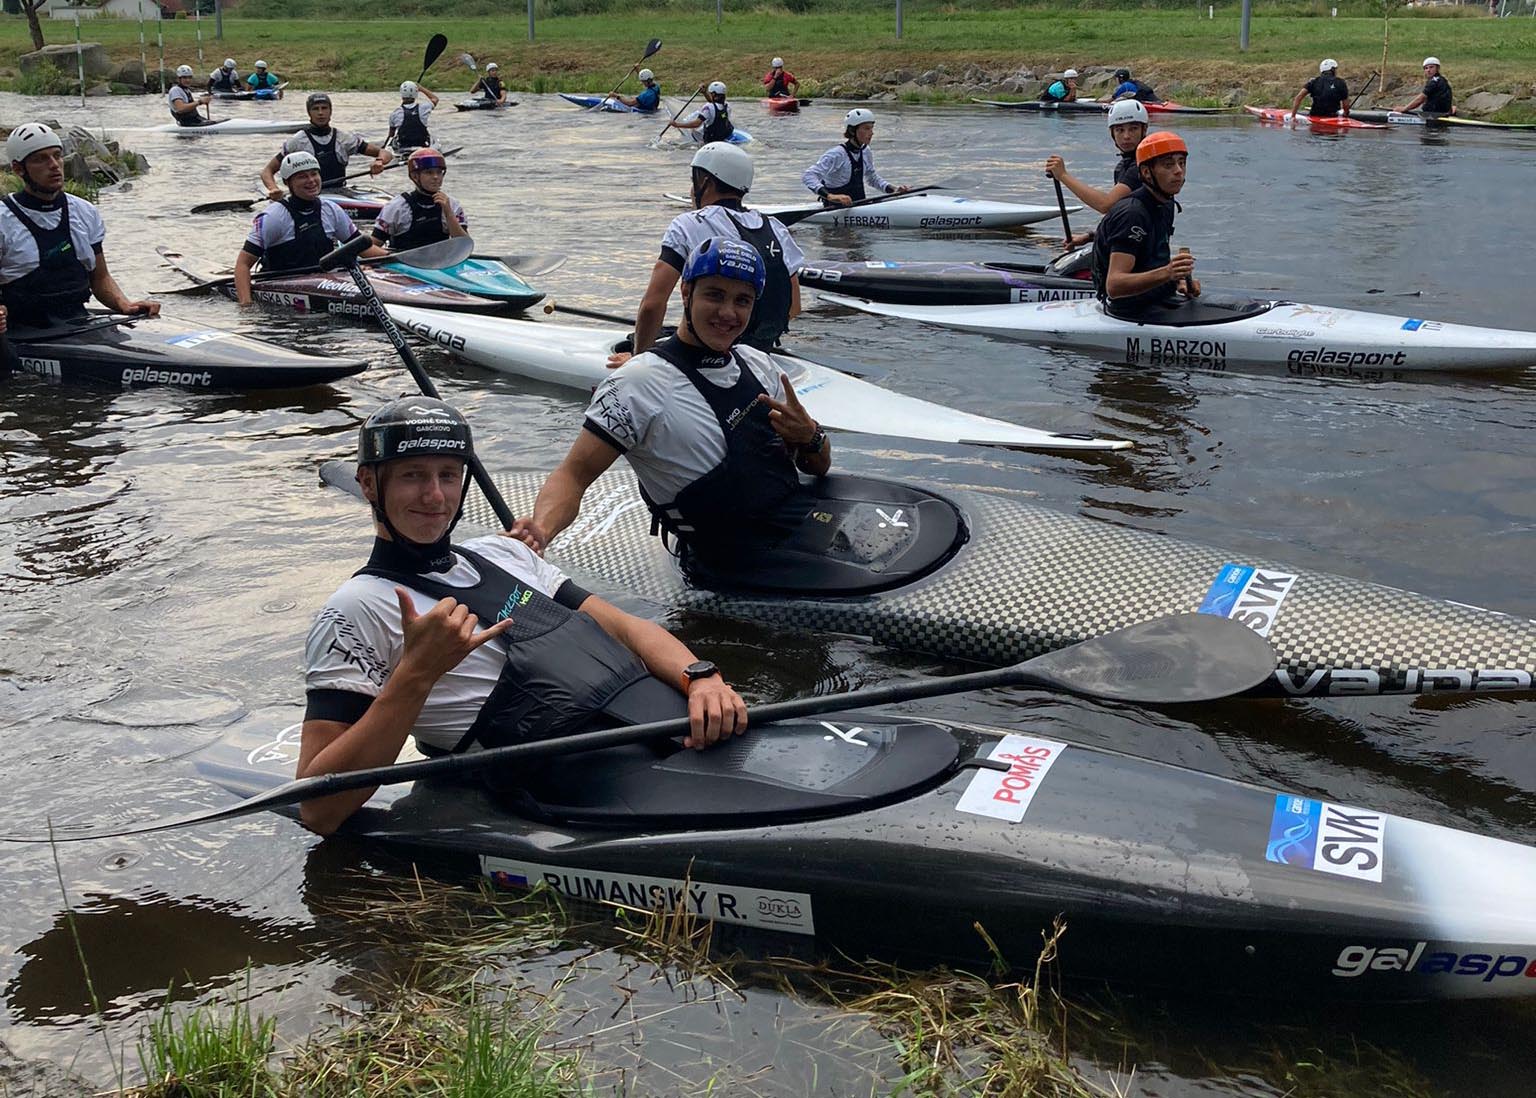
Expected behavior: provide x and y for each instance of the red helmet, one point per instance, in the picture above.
(428, 158)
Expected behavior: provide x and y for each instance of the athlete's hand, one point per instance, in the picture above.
(839, 200)
(436, 642)
(789, 418)
(1077, 240)
(901, 190)
(378, 165)
(618, 358)
(529, 533)
(142, 308)
(1181, 267)
(1190, 287)
(1055, 167)
(443, 202)
(715, 712)
(275, 193)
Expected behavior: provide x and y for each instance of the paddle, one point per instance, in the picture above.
(1170, 660)
(444, 253)
(227, 204)
(794, 217)
(435, 47)
(1061, 204)
(678, 115)
(650, 47)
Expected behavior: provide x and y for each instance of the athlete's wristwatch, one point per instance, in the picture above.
(818, 440)
(699, 669)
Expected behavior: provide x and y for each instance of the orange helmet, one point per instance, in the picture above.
(1159, 144)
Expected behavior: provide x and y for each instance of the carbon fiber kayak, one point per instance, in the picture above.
(1047, 106)
(928, 283)
(1164, 876)
(1026, 579)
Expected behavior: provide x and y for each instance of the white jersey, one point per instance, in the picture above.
(355, 641)
(346, 144)
(397, 116)
(395, 217)
(835, 169)
(691, 229)
(178, 94)
(651, 413)
(274, 226)
(18, 249)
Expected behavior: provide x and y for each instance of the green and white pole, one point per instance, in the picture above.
(80, 59)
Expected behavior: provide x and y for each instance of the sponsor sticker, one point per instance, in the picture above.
(772, 909)
(1005, 795)
(192, 339)
(1330, 838)
(281, 750)
(1249, 595)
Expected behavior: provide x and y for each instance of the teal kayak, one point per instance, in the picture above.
(481, 275)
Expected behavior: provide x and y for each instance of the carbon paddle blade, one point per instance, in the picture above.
(1180, 658)
(224, 205)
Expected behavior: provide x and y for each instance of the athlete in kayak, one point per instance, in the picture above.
(1128, 88)
(296, 232)
(840, 176)
(262, 80)
(648, 99)
(1132, 268)
(1063, 90)
(333, 148)
(712, 121)
(399, 651)
(1330, 95)
(1127, 126)
(184, 103)
(721, 178)
(713, 431)
(780, 83)
(408, 121)
(1436, 96)
(425, 215)
(51, 258)
(225, 78)
(490, 86)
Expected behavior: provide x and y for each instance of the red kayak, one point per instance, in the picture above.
(782, 104)
(1323, 121)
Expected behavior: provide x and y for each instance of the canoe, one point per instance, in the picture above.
(782, 104)
(930, 283)
(1219, 332)
(896, 836)
(1323, 121)
(231, 126)
(934, 212)
(165, 351)
(1076, 106)
(577, 358)
(602, 103)
(484, 276)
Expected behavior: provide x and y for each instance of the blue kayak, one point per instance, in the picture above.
(484, 276)
(601, 103)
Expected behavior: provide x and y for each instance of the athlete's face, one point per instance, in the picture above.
(44, 170)
(421, 495)
(1167, 172)
(864, 133)
(1127, 135)
(320, 115)
(305, 185)
(428, 180)
(720, 310)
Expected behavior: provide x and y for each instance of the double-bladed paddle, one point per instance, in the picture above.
(678, 115)
(435, 47)
(650, 47)
(224, 205)
(1169, 660)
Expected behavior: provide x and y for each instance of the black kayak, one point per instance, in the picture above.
(166, 351)
(887, 835)
(1074, 106)
(931, 283)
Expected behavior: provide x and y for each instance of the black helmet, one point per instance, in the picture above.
(317, 97)
(415, 426)
(1122, 74)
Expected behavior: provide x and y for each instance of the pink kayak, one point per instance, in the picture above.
(1323, 121)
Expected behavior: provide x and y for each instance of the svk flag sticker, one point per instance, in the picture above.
(1249, 596)
(1006, 795)
(1330, 838)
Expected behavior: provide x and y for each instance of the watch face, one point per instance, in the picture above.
(700, 670)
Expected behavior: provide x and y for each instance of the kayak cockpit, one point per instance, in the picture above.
(1191, 312)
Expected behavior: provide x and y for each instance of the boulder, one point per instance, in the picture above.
(1485, 102)
(98, 90)
(129, 72)
(63, 58)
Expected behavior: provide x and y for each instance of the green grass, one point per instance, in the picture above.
(208, 1051)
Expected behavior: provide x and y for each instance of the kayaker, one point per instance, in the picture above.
(649, 97)
(262, 80)
(1330, 95)
(712, 120)
(399, 651)
(408, 121)
(184, 103)
(489, 86)
(51, 258)
(224, 78)
(333, 148)
(721, 178)
(425, 215)
(1128, 123)
(1128, 88)
(713, 431)
(294, 233)
(1133, 270)
(839, 178)
(780, 83)
(1436, 96)
(1063, 90)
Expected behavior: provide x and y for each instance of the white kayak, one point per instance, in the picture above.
(916, 211)
(1305, 340)
(577, 357)
(229, 126)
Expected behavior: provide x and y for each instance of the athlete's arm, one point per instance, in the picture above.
(110, 294)
(559, 501)
(428, 93)
(1120, 281)
(653, 305)
(794, 296)
(1091, 196)
(269, 177)
(1296, 104)
(244, 265)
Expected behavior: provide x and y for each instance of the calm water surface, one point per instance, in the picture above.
(162, 552)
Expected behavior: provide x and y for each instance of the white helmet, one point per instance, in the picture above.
(857, 117)
(183, 70)
(1127, 110)
(408, 90)
(297, 162)
(1428, 61)
(1327, 65)
(646, 76)
(261, 64)
(229, 63)
(716, 87)
(1070, 74)
(778, 63)
(28, 138)
(727, 163)
(491, 66)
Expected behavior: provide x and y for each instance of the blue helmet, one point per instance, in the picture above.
(732, 259)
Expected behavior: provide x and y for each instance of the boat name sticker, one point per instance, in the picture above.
(192, 339)
(1330, 838)
(1005, 795)
(1357, 960)
(1422, 325)
(740, 906)
(1175, 352)
(1248, 595)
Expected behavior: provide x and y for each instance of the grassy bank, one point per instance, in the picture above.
(1177, 48)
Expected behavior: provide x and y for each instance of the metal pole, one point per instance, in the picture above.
(530, 20)
(218, 19)
(143, 57)
(198, 19)
(160, 42)
(898, 18)
(1242, 42)
(79, 59)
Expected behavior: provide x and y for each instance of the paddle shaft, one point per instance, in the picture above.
(676, 116)
(1061, 204)
(347, 255)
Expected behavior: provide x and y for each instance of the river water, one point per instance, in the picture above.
(163, 552)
